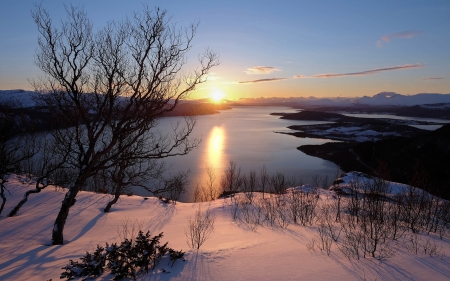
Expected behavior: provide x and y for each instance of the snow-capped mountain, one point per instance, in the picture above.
(18, 98)
(394, 99)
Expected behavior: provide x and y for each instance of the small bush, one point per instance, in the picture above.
(124, 260)
(199, 228)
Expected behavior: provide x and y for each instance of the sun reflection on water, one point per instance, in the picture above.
(212, 165)
(215, 148)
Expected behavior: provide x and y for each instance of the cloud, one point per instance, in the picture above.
(262, 80)
(404, 34)
(433, 78)
(261, 70)
(362, 73)
(212, 77)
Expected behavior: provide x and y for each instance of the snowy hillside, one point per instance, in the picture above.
(236, 250)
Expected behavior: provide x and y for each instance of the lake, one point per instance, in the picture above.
(248, 136)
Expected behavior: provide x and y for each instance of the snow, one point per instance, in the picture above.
(234, 251)
(368, 133)
(394, 99)
(20, 98)
(436, 106)
(395, 188)
(380, 99)
(359, 134)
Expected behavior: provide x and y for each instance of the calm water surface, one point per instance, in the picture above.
(247, 136)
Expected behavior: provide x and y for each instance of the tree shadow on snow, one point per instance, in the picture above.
(38, 256)
(196, 268)
(161, 217)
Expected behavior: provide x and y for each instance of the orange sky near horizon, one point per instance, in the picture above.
(299, 49)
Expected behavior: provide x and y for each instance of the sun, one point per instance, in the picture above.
(216, 95)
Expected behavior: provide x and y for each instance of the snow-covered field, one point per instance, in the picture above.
(234, 252)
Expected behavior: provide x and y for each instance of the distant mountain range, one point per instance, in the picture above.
(380, 99)
(394, 99)
(17, 98)
(24, 99)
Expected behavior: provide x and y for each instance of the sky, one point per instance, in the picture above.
(275, 48)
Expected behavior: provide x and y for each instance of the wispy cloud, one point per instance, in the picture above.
(362, 73)
(261, 70)
(262, 80)
(433, 78)
(404, 34)
(212, 77)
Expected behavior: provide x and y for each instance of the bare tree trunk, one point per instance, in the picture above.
(58, 227)
(114, 201)
(25, 198)
(2, 194)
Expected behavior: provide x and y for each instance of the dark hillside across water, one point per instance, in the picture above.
(441, 111)
(40, 119)
(427, 153)
(348, 128)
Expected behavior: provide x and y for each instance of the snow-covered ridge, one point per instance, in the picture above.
(394, 99)
(23, 98)
(355, 181)
(234, 251)
(380, 99)
(17, 98)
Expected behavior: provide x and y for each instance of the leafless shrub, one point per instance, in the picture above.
(302, 206)
(325, 184)
(430, 247)
(413, 242)
(209, 191)
(231, 181)
(278, 183)
(198, 194)
(350, 245)
(316, 180)
(311, 245)
(129, 228)
(269, 208)
(354, 202)
(325, 220)
(326, 241)
(199, 228)
(248, 212)
(282, 213)
(263, 180)
(250, 185)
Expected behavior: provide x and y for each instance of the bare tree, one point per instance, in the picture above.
(107, 90)
(264, 180)
(232, 180)
(209, 191)
(47, 165)
(15, 147)
(199, 228)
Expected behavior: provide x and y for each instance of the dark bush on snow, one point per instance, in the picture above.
(124, 260)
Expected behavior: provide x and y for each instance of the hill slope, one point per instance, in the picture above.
(428, 153)
(235, 251)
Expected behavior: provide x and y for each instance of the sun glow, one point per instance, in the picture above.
(216, 95)
(215, 147)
